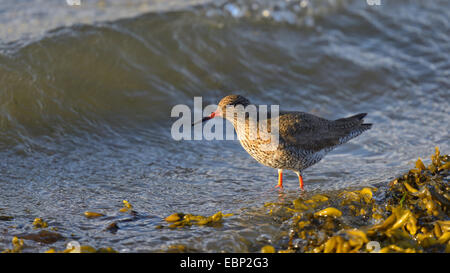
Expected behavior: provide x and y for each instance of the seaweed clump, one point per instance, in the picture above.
(178, 220)
(83, 249)
(409, 215)
(17, 246)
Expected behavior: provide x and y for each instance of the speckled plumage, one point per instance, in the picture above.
(304, 139)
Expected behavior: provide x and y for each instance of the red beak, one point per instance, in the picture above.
(213, 114)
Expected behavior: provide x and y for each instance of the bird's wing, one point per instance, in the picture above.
(309, 132)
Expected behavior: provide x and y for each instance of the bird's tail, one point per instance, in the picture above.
(366, 126)
(359, 116)
(352, 126)
(355, 121)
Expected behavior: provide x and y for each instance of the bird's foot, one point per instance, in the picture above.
(300, 180)
(280, 179)
(278, 186)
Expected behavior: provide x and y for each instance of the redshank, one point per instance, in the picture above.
(303, 139)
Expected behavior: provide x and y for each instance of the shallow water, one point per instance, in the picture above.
(85, 104)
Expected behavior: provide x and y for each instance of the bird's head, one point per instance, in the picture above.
(225, 102)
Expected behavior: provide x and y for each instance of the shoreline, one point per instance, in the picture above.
(410, 215)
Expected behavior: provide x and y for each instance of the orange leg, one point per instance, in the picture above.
(280, 179)
(300, 180)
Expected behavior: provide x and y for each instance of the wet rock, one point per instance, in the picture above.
(43, 236)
